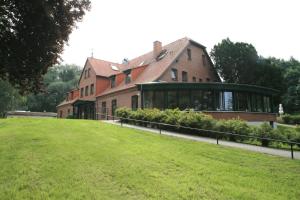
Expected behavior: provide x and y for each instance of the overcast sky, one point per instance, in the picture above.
(117, 29)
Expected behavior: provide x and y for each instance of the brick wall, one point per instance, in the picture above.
(194, 67)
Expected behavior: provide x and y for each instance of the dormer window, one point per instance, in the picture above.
(127, 76)
(112, 81)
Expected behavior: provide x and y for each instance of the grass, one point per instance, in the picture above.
(77, 159)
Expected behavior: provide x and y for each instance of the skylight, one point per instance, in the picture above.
(113, 67)
(141, 63)
(162, 54)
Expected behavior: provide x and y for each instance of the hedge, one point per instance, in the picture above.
(203, 121)
(291, 119)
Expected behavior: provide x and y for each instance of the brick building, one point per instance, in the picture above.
(178, 75)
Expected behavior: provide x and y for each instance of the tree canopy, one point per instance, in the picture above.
(239, 63)
(233, 61)
(32, 36)
(59, 80)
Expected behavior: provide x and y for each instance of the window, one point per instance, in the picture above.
(103, 110)
(86, 90)
(184, 76)
(92, 89)
(113, 81)
(88, 75)
(128, 76)
(194, 79)
(228, 101)
(189, 53)
(200, 80)
(113, 106)
(183, 99)
(158, 100)
(172, 99)
(174, 74)
(81, 92)
(69, 112)
(204, 60)
(85, 73)
(148, 99)
(207, 79)
(134, 102)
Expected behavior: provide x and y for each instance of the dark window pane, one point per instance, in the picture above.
(134, 102)
(197, 99)
(113, 106)
(207, 100)
(172, 99)
(189, 53)
(113, 81)
(86, 90)
(241, 101)
(158, 100)
(148, 99)
(183, 99)
(184, 76)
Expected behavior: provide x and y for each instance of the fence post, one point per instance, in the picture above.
(121, 122)
(217, 138)
(159, 128)
(292, 151)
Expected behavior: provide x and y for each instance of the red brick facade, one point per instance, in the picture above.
(186, 58)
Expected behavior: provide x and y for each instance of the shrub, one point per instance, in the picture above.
(265, 131)
(291, 119)
(236, 126)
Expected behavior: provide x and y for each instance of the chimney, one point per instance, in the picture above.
(157, 48)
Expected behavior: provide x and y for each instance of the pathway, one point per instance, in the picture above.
(272, 151)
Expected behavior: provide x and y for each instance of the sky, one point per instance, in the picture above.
(118, 29)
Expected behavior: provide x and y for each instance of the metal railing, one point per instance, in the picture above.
(218, 134)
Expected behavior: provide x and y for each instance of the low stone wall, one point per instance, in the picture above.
(30, 114)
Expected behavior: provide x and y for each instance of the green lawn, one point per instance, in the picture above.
(76, 159)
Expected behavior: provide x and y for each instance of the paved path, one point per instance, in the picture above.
(277, 152)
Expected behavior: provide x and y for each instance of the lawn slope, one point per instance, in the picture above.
(77, 159)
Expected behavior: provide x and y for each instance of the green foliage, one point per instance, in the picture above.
(291, 98)
(32, 37)
(236, 126)
(265, 131)
(10, 99)
(291, 119)
(234, 61)
(58, 81)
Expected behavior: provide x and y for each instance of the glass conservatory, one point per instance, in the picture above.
(222, 97)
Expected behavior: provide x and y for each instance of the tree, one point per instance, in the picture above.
(58, 81)
(32, 36)
(291, 98)
(10, 99)
(235, 61)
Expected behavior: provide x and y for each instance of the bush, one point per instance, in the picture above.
(206, 122)
(291, 119)
(265, 131)
(236, 126)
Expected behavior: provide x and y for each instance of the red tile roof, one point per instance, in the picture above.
(155, 68)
